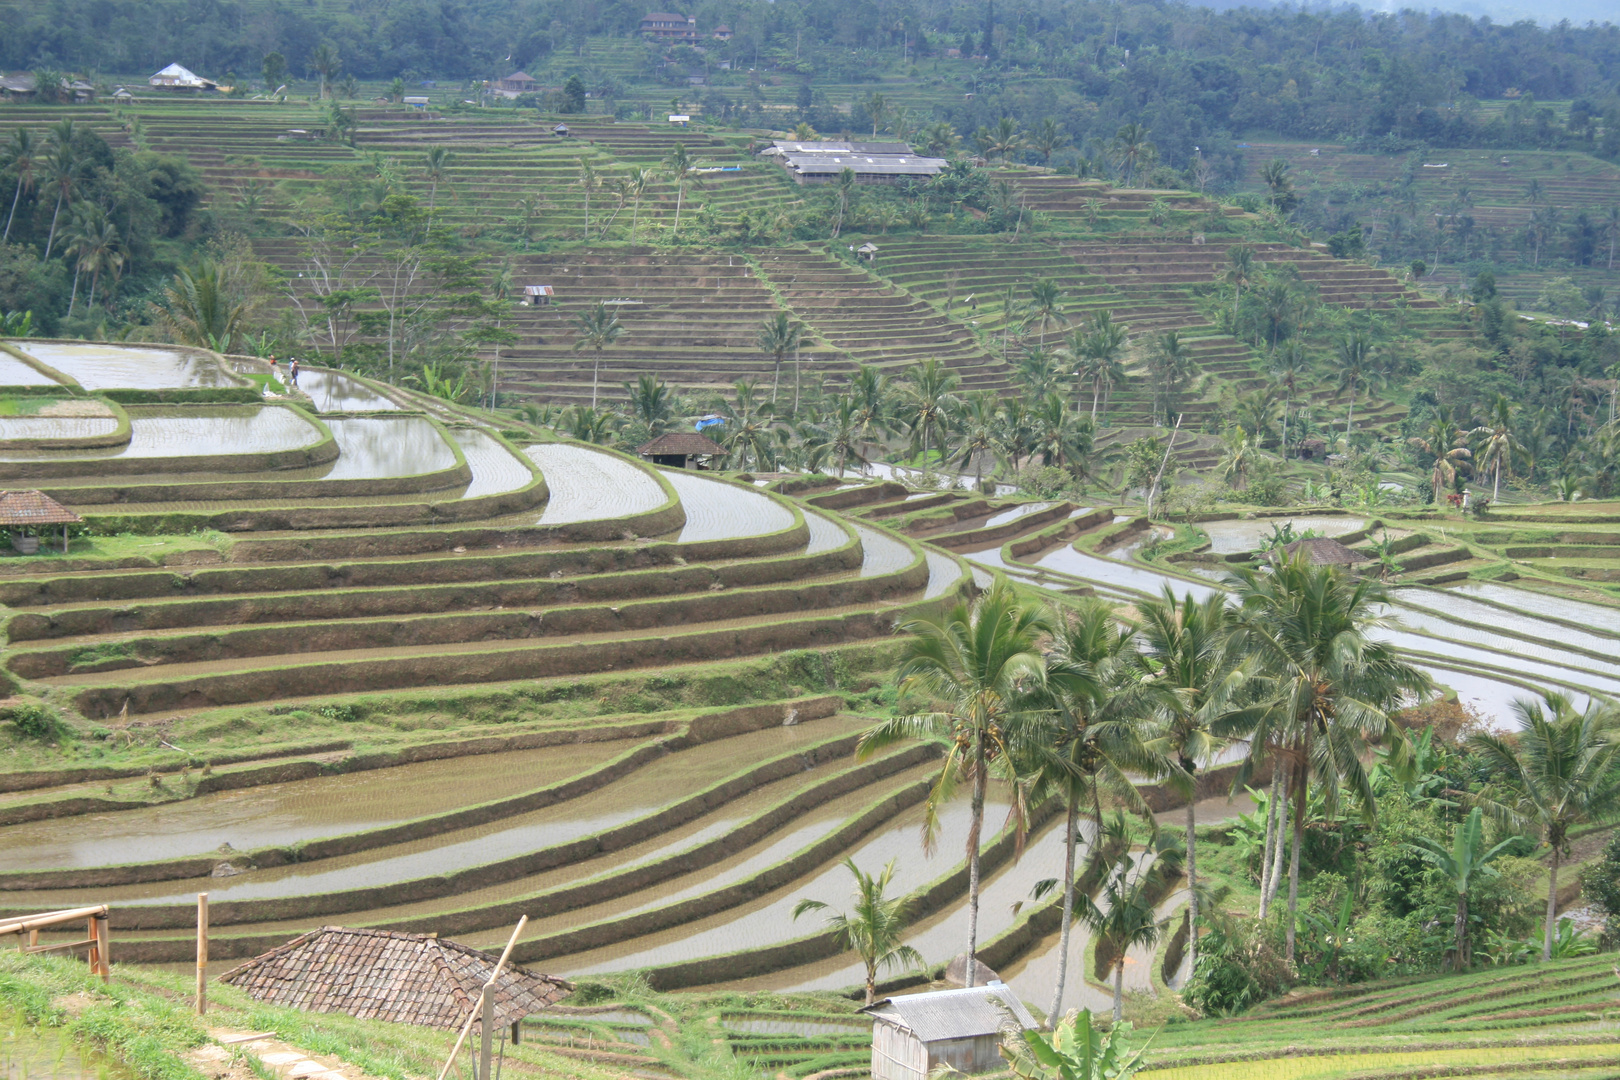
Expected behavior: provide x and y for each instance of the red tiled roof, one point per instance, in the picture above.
(689, 443)
(387, 975)
(33, 508)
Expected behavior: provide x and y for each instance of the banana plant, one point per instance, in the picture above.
(1466, 862)
(1075, 1050)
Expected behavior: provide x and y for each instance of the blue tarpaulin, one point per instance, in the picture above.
(710, 421)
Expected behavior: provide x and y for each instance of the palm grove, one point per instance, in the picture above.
(1375, 849)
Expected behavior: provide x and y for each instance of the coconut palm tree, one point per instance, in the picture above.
(927, 399)
(748, 427)
(779, 336)
(62, 170)
(437, 163)
(589, 182)
(1187, 653)
(651, 404)
(1443, 442)
(324, 62)
(843, 195)
(639, 183)
(22, 155)
(1045, 305)
(1463, 863)
(1102, 351)
(840, 434)
(1308, 630)
(596, 329)
(1171, 365)
(977, 423)
(198, 308)
(1126, 919)
(1048, 138)
(681, 166)
(874, 929)
(1357, 367)
(1497, 443)
(1559, 774)
(1083, 738)
(1132, 150)
(590, 425)
(1242, 269)
(1001, 141)
(977, 664)
(872, 395)
(1288, 365)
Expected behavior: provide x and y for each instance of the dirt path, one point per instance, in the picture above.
(222, 1059)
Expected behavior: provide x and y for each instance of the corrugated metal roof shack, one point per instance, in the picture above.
(911, 1035)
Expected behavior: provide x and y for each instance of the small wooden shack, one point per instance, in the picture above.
(25, 512)
(387, 975)
(914, 1034)
(1325, 551)
(679, 448)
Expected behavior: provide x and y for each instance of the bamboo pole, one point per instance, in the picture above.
(202, 953)
(104, 948)
(477, 1008)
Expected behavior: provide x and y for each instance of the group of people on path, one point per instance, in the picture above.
(292, 370)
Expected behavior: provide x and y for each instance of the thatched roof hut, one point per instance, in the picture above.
(387, 975)
(678, 447)
(23, 511)
(1325, 551)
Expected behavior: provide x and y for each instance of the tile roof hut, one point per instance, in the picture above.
(678, 448)
(912, 1035)
(21, 511)
(1325, 551)
(387, 975)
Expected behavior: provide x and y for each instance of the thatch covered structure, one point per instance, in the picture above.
(678, 448)
(25, 511)
(1325, 551)
(387, 975)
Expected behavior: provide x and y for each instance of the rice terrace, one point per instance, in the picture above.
(1062, 541)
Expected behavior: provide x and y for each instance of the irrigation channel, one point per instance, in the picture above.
(382, 543)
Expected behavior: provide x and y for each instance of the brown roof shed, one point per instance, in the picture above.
(387, 975)
(1325, 551)
(25, 509)
(688, 443)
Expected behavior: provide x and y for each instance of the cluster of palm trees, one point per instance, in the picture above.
(923, 409)
(91, 242)
(1491, 448)
(1080, 704)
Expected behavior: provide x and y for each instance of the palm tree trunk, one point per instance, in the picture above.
(50, 240)
(18, 194)
(776, 378)
(75, 294)
(1552, 907)
(1192, 882)
(1270, 841)
(1069, 844)
(1351, 416)
(680, 196)
(871, 983)
(1299, 842)
(1119, 990)
(975, 826)
(596, 368)
(1096, 392)
(795, 382)
(1281, 844)
(1496, 488)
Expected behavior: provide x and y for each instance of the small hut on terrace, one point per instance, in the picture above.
(24, 512)
(1325, 551)
(914, 1034)
(678, 448)
(386, 975)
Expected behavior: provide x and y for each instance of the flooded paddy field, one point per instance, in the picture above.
(333, 391)
(589, 485)
(161, 432)
(376, 447)
(1233, 537)
(717, 510)
(128, 367)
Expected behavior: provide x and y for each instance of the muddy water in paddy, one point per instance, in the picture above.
(644, 790)
(374, 447)
(768, 920)
(825, 533)
(587, 485)
(55, 427)
(333, 391)
(881, 553)
(294, 811)
(101, 367)
(1465, 609)
(943, 573)
(811, 826)
(199, 431)
(722, 820)
(716, 510)
(1235, 536)
(495, 470)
